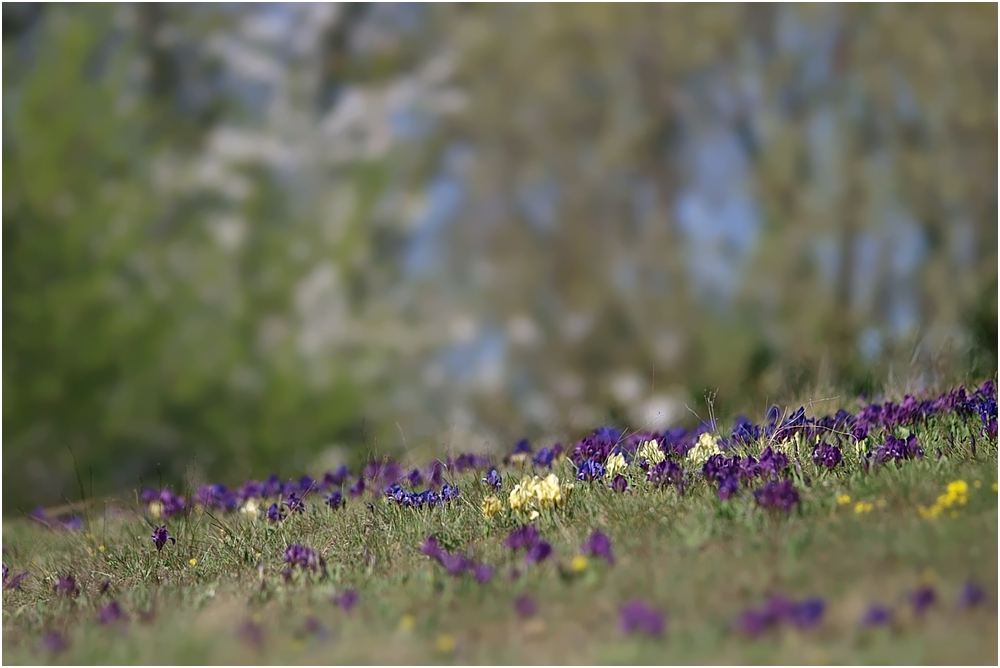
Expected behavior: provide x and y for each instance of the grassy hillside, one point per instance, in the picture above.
(867, 537)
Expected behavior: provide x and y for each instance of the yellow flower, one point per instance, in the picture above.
(958, 488)
(977, 484)
(650, 451)
(490, 506)
(615, 465)
(706, 446)
(993, 487)
(407, 622)
(862, 507)
(250, 507)
(193, 561)
(155, 509)
(578, 564)
(101, 548)
(445, 643)
(843, 500)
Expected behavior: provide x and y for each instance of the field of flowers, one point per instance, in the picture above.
(855, 537)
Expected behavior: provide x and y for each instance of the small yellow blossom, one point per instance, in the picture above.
(862, 507)
(615, 465)
(843, 500)
(256, 617)
(993, 487)
(193, 561)
(445, 643)
(650, 451)
(706, 446)
(490, 506)
(407, 623)
(532, 495)
(579, 563)
(101, 548)
(155, 509)
(958, 488)
(977, 484)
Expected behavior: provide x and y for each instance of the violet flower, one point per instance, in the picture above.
(876, 615)
(346, 600)
(335, 499)
(971, 595)
(525, 606)
(523, 537)
(636, 616)
(161, 536)
(922, 599)
(493, 479)
(66, 586)
(777, 495)
(599, 545)
(483, 573)
(54, 642)
(111, 613)
(538, 552)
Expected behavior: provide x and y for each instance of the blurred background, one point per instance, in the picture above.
(249, 238)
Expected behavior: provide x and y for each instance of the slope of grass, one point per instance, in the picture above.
(219, 595)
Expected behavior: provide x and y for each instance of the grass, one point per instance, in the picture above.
(699, 560)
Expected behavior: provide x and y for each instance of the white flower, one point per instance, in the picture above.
(650, 451)
(615, 465)
(706, 446)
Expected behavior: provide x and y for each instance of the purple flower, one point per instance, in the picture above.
(591, 469)
(303, 557)
(111, 613)
(727, 487)
(897, 450)
(525, 606)
(971, 595)
(773, 462)
(54, 642)
(66, 586)
(523, 537)
(619, 484)
(777, 495)
(665, 473)
(294, 503)
(636, 616)
(827, 455)
(335, 499)
(922, 599)
(449, 493)
(431, 548)
(544, 457)
(15, 581)
(275, 514)
(876, 615)
(346, 600)
(358, 488)
(493, 479)
(599, 545)
(538, 552)
(161, 536)
(455, 564)
(807, 613)
(414, 479)
(522, 447)
(483, 573)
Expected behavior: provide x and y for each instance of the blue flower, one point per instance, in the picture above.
(335, 499)
(591, 469)
(493, 479)
(544, 457)
(275, 514)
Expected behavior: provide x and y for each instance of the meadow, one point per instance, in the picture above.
(866, 534)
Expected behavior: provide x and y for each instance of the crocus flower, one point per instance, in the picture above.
(111, 613)
(294, 503)
(636, 616)
(525, 606)
(493, 479)
(161, 536)
(538, 552)
(599, 545)
(876, 615)
(971, 595)
(346, 600)
(66, 586)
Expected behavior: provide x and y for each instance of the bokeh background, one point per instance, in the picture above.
(249, 238)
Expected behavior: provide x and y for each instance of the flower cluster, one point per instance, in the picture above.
(408, 499)
(303, 558)
(777, 495)
(957, 495)
(532, 495)
(779, 610)
(528, 539)
(456, 564)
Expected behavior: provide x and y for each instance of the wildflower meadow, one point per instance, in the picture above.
(863, 535)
